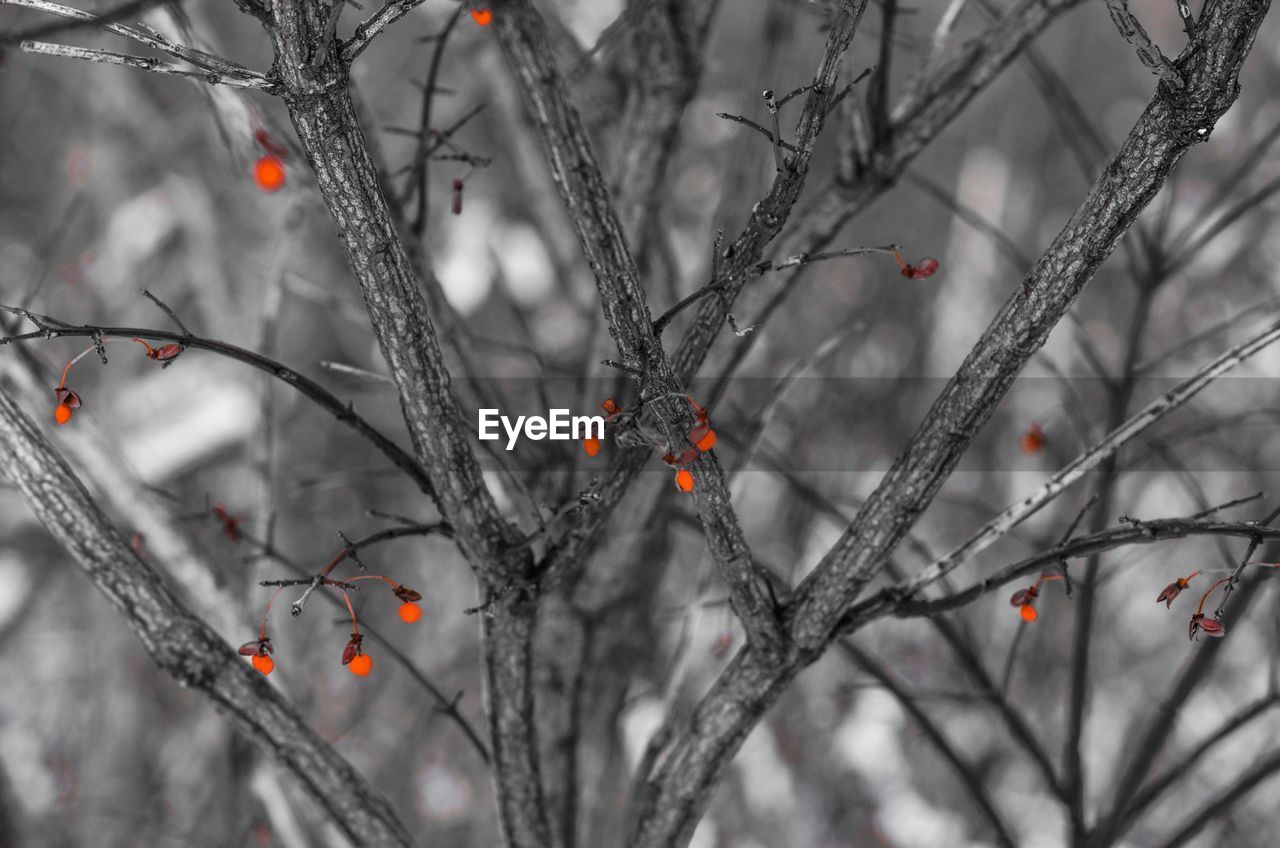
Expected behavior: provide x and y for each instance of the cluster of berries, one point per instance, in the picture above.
(353, 655)
(701, 434)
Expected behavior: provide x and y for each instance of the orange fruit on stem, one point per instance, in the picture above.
(482, 16)
(1029, 613)
(592, 445)
(264, 663)
(62, 414)
(708, 441)
(361, 665)
(410, 612)
(269, 173)
(684, 480)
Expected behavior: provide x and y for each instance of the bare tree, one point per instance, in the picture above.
(570, 581)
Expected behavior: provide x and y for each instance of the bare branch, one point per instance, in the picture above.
(1025, 507)
(223, 69)
(143, 63)
(78, 19)
(368, 30)
(889, 602)
(52, 328)
(1148, 52)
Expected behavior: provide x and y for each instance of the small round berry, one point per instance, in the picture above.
(592, 445)
(1029, 613)
(264, 663)
(707, 442)
(410, 612)
(62, 414)
(482, 16)
(269, 173)
(361, 665)
(684, 480)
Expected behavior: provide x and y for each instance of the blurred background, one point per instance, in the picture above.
(114, 180)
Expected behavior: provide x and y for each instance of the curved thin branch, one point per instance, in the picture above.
(52, 328)
(891, 601)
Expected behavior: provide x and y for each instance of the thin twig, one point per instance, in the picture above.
(369, 29)
(51, 328)
(89, 54)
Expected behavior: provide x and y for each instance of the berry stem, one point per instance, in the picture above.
(355, 625)
(1205, 597)
(388, 580)
(267, 614)
(77, 358)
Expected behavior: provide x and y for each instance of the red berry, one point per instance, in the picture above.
(269, 173)
(361, 665)
(410, 612)
(264, 663)
(708, 441)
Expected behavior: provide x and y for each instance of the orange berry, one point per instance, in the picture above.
(264, 663)
(361, 665)
(62, 414)
(1029, 613)
(269, 173)
(410, 612)
(684, 480)
(592, 444)
(482, 16)
(707, 442)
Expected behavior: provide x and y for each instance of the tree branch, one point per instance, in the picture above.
(891, 602)
(182, 644)
(325, 118)
(144, 63)
(688, 761)
(216, 68)
(52, 328)
(368, 30)
(1025, 507)
(522, 35)
(1148, 52)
